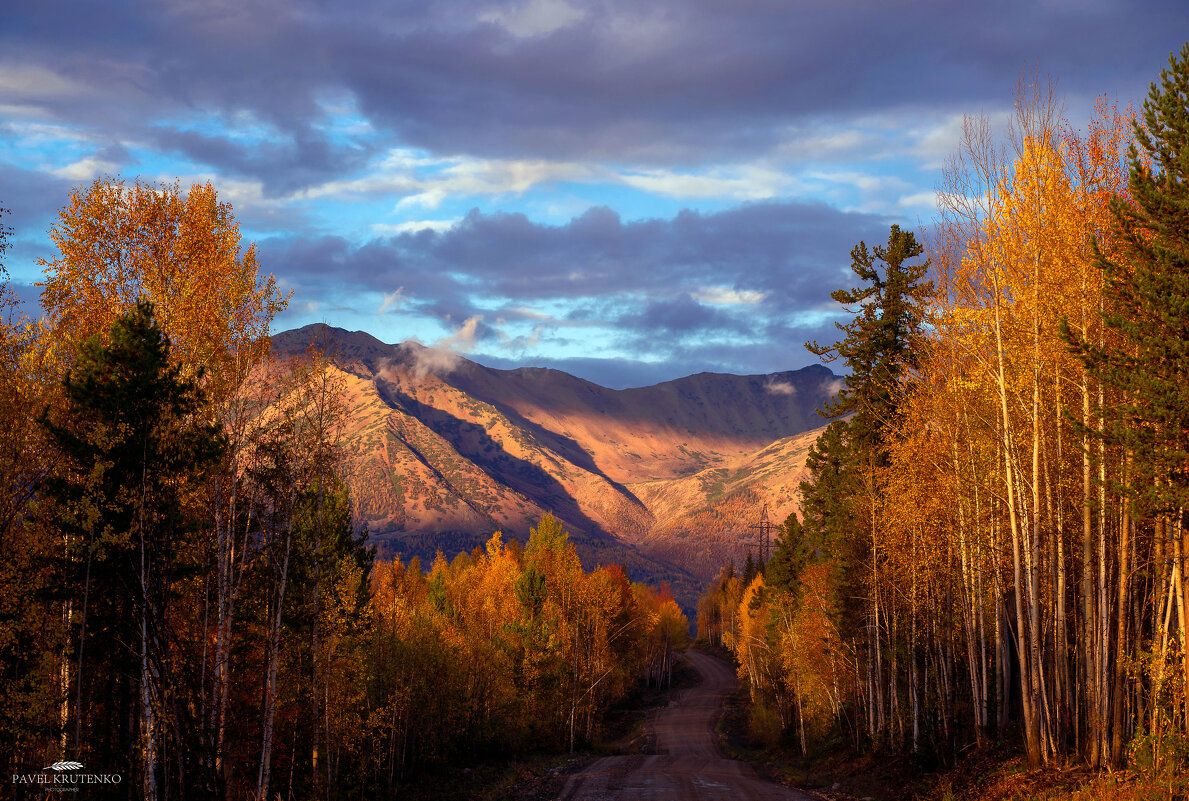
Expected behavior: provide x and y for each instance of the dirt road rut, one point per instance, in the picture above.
(687, 764)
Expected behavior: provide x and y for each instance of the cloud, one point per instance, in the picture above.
(463, 340)
(681, 82)
(741, 183)
(739, 289)
(412, 226)
(723, 296)
(418, 362)
(534, 17)
(778, 387)
(918, 200)
(86, 169)
(441, 358)
(394, 298)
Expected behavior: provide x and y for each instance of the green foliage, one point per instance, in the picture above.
(879, 348)
(531, 591)
(783, 572)
(1147, 295)
(136, 451)
(548, 537)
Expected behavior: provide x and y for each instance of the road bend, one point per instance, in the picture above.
(687, 764)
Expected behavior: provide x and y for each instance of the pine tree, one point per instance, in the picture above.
(783, 571)
(135, 450)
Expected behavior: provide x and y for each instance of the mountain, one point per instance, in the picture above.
(667, 479)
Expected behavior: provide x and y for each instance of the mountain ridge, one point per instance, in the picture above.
(666, 478)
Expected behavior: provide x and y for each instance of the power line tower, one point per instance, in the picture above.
(764, 538)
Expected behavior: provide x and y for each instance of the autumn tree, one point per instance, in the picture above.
(136, 452)
(118, 243)
(31, 626)
(1142, 360)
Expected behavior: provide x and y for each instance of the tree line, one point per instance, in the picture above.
(992, 537)
(186, 600)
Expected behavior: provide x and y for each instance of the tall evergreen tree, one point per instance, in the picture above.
(783, 571)
(136, 450)
(879, 346)
(1147, 296)
(841, 503)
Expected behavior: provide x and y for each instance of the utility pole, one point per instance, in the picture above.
(763, 538)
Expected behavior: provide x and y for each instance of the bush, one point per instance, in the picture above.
(764, 726)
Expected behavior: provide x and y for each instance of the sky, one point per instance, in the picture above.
(627, 191)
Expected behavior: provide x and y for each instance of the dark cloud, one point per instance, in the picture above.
(783, 250)
(674, 81)
(681, 316)
(28, 300)
(284, 166)
(673, 288)
(31, 197)
(612, 373)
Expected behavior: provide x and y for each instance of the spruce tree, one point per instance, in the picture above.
(783, 571)
(1146, 358)
(879, 346)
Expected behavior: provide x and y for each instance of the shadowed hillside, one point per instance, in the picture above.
(665, 479)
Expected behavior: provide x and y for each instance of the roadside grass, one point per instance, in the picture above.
(837, 771)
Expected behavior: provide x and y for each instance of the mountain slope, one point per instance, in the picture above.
(667, 479)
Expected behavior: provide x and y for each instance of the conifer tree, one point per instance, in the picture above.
(135, 450)
(878, 348)
(783, 571)
(1147, 293)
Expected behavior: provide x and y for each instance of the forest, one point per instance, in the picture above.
(990, 546)
(187, 608)
(992, 538)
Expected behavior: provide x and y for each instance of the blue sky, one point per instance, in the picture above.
(630, 192)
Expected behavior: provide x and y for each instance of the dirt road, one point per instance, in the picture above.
(686, 764)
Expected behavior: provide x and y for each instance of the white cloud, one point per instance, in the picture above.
(918, 200)
(534, 17)
(724, 296)
(413, 226)
(464, 338)
(780, 388)
(441, 358)
(484, 177)
(86, 169)
(424, 182)
(395, 298)
(740, 183)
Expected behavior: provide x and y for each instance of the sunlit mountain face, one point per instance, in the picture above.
(669, 479)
